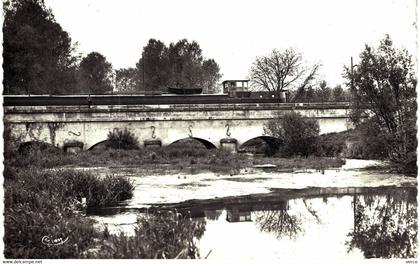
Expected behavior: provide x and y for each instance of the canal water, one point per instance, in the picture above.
(263, 216)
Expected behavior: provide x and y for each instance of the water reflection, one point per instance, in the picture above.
(158, 235)
(371, 223)
(284, 223)
(385, 227)
(281, 223)
(212, 214)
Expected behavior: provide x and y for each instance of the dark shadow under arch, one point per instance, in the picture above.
(99, 145)
(204, 142)
(266, 145)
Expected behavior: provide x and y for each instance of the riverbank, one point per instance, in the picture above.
(164, 160)
(159, 176)
(45, 210)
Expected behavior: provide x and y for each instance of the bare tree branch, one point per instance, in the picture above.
(281, 70)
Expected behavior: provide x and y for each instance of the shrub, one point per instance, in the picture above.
(41, 155)
(366, 141)
(122, 139)
(26, 223)
(46, 203)
(297, 134)
(334, 144)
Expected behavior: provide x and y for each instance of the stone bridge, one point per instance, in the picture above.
(212, 124)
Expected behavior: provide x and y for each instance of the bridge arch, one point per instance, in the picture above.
(267, 145)
(99, 145)
(204, 142)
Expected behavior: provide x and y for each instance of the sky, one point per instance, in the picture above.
(234, 33)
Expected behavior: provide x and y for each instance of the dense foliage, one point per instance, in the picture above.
(48, 203)
(122, 139)
(179, 65)
(383, 87)
(298, 135)
(43, 203)
(39, 58)
(95, 74)
(320, 93)
(37, 52)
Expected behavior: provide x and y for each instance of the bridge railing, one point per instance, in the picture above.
(179, 107)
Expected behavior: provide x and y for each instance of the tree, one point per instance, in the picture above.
(179, 65)
(153, 66)
(297, 134)
(126, 80)
(211, 76)
(383, 87)
(95, 74)
(338, 93)
(186, 64)
(37, 52)
(281, 70)
(323, 94)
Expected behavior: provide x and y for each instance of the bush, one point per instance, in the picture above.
(122, 139)
(47, 203)
(298, 135)
(367, 142)
(40, 155)
(27, 223)
(330, 145)
(335, 144)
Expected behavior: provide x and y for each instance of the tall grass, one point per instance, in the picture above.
(41, 203)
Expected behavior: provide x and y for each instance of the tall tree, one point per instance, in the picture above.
(95, 74)
(186, 60)
(338, 93)
(323, 93)
(211, 75)
(154, 66)
(37, 52)
(179, 65)
(383, 87)
(126, 80)
(281, 70)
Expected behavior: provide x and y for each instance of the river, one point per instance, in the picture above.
(350, 213)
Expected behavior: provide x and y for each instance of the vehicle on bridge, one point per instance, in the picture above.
(233, 95)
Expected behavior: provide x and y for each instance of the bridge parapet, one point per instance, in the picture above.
(60, 124)
(180, 107)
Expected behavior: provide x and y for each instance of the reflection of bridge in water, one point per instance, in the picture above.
(242, 212)
(239, 208)
(384, 219)
(77, 127)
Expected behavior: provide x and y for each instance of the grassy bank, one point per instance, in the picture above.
(43, 209)
(42, 206)
(45, 205)
(187, 159)
(48, 204)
